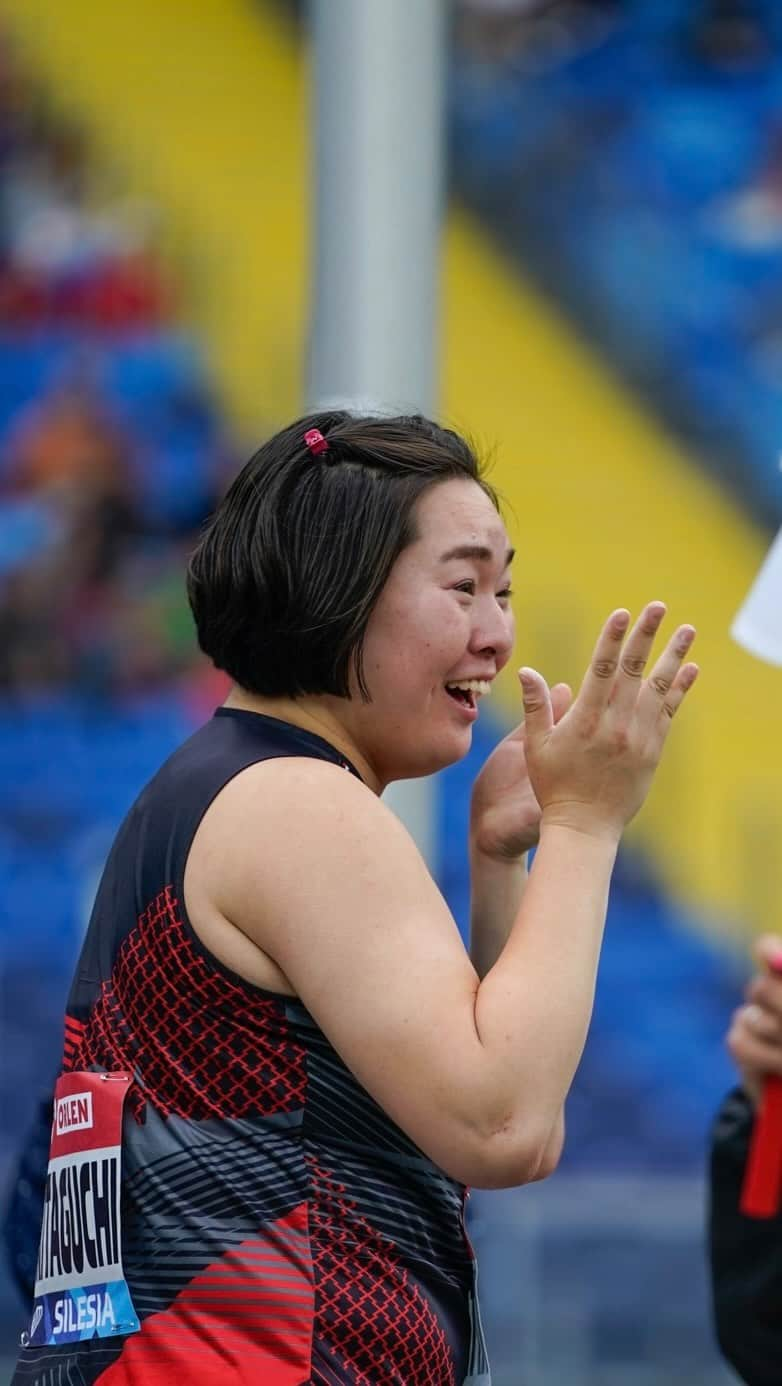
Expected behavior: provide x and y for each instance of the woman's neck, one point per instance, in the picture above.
(312, 714)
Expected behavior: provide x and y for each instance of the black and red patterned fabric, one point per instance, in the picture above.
(277, 1227)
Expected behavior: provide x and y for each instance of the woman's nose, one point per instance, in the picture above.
(493, 633)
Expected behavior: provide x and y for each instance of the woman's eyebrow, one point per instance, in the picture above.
(479, 552)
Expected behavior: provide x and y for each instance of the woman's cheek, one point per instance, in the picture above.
(504, 655)
(454, 624)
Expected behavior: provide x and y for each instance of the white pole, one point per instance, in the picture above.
(378, 177)
(378, 146)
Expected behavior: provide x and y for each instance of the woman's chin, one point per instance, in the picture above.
(439, 755)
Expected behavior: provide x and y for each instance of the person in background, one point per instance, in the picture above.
(746, 1253)
(66, 456)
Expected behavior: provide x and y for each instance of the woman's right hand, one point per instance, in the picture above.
(592, 770)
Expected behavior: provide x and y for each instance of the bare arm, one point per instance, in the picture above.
(475, 1072)
(496, 892)
(504, 825)
(557, 960)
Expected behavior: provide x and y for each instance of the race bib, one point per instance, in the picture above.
(80, 1289)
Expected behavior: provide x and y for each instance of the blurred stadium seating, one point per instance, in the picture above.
(631, 155)
(624, 157)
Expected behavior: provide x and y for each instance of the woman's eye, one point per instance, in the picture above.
(505, 595)
(467, 586)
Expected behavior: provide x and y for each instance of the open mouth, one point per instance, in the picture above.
(461, 695)
(468, 691)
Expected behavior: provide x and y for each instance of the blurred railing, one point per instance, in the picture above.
(596, 1282)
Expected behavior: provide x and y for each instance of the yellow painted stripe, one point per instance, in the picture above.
(609, 512)
(202, 107)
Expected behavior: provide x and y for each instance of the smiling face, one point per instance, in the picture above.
(440, 632)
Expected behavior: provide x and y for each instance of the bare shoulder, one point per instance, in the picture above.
(296, 837)
(303, 805)
(266, 831)
(309, 868)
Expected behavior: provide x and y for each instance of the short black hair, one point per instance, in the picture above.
(290, 566)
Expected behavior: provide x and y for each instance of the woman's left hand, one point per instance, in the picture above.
(504, 813)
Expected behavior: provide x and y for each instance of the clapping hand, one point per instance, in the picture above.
(592, 769)
(504, 813)
(587, 762)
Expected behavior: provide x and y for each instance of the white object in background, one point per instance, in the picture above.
(378, 171)
(758, 625)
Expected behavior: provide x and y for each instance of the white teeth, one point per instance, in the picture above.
(480, 687)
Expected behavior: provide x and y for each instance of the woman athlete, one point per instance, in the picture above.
(282, 1068)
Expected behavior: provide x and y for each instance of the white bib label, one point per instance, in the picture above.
(80, 1287)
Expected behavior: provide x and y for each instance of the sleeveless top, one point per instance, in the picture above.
(276, 1226)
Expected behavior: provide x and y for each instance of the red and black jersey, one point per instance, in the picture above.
(276, 1226)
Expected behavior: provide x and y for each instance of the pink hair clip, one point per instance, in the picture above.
(315, 441)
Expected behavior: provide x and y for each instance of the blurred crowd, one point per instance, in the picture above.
(532, 31)
(71, 252)
(729, 32)
(629, 152)
(111, 449)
